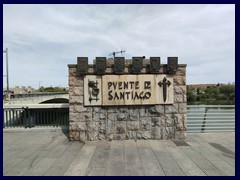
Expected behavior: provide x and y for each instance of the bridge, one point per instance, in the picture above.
(37, 98)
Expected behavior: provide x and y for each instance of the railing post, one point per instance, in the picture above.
(204, 120)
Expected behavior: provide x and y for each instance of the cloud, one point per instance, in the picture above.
(43, 39)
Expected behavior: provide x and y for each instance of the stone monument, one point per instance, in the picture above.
(118, 99)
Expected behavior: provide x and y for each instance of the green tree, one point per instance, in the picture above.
(228, 90)
(190, 94)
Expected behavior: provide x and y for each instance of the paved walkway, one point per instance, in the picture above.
(51, 154)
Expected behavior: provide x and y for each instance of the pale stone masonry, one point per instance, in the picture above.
(127, 122)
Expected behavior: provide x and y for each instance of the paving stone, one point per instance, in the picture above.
(56, 171)
(152, 168)
(136, 171)
(78, 167)
(96, 172)
(115, 167)
(132, 157)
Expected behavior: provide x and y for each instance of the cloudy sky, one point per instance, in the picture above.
(43, 39)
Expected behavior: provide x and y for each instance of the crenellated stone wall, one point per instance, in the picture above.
(162, 121)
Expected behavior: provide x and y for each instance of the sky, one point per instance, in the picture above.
(43, 39)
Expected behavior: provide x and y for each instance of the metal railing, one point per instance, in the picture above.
(36, 115)
(210, 118)
(31, 95)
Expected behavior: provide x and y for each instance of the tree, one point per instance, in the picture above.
(190, 94)
(228, 90)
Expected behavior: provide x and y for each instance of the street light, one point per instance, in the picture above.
(6, 51)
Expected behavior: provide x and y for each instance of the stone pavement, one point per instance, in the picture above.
(49, 153)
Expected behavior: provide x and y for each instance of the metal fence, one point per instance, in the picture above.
(32, 95)
(36, 116)
(210, 118)
(201, 118)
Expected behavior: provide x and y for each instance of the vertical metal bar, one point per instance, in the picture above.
(42, 121)
(10, 115)
(6, 122)
(25, 118)
(13, 118)
(4, 118)
(29, 118)
(40, 117)
(45, 122)
(37, 121)
(58, 116)
(17, 117)
(48, 117)
(52, 114)
(37, 117)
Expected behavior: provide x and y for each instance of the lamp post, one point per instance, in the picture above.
(6, 51)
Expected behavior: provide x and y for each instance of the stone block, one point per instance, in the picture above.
(131, 135)
(170, 132)
(81, 126)
(82, 136)
(74, 117)
(143, 111)
(92, 131)
(75, 91)
(78, 108)
(111, 127)
(159, 109)
(75, 81)
(99, 116)
(72, 126)
(155, 133)
(99, 109)
(152, 111)
(178, 98)
(181, 71)
(182, 108)
(179, 89)
(120, 137)
(74, 135)
(75, 99)
(109, 70)
(139, 134)
(132, 125)
(72, 72)
(112, 110)
(122, 116)
(169, 109)
(134, 114)
(102, 136)
(112, 116)
(179, 121)
(146, 134)
(120, 127)
(155, 121)
(162, 120)
(90, 70)
(87, 116)
(184, 98)
(170, 120)
(179, 80)
(110, 62)
(145, 123)
(102, 127)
